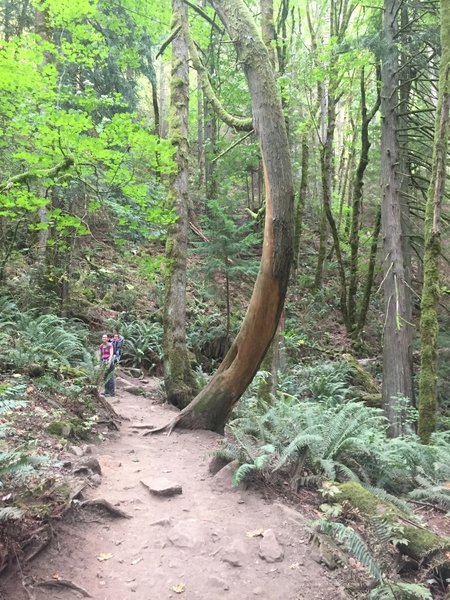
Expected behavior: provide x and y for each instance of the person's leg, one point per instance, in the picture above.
(110, 384)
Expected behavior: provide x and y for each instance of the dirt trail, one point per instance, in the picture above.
(195, 543)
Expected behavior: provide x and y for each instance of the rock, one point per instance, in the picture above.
(222, 479)
(160, 486)
(162, 522)
(218, 583)
(188, 534)
(135, 389)
(76, 450)
(216, 464)
(89, 462)
(95, 479)
(235, 553)
(269, 548)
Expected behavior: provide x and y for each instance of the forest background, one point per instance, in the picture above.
(134, 189)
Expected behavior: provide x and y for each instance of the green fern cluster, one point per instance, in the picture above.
(312, 440)
(47, 342)
(19, 463)
(143, 343)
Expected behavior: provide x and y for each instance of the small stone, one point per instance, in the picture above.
(222, 479)
(76, 450)
(160, 486)
(90, 462)
(161, 522)
(269, 548)
(95, 479)
(235, 553)
(218, 583)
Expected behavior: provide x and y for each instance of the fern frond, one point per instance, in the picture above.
(354, 544)
(400, 591)
(8, 513)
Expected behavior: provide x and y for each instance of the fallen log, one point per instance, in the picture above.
(422, 545)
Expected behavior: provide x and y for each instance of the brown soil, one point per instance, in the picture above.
(202, 544)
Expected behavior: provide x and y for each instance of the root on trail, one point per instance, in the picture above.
(62, 583)
(47, 529)
(115, 512)
(169, 427)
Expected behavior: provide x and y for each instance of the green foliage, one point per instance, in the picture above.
(353, 543)
(320, 437)
(41, 342)
(143, 344)
(17, 464)
(400, 591)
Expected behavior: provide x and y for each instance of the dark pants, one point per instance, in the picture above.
(110, 384)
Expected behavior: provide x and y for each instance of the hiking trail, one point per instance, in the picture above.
(211, 541)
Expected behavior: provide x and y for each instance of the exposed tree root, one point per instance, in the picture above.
(169, 427)
(62, 583)
(115, 512)
(42, 545)
(138, 426)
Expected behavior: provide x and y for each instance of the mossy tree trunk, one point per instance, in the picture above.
(211, 408)
(397, 335)
(429, 325)
(178, 377)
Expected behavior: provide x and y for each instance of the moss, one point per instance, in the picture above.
(366, 502)
(423, 543)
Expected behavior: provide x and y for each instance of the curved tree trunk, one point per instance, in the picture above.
(178, 377)
(211, 408)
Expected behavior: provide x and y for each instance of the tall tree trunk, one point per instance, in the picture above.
(429, 326)
(211, 408)
(397, 338)
(358, 186)
(364, 307)
(300, 208)
(178, 377)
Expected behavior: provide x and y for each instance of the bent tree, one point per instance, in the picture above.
(211, 407)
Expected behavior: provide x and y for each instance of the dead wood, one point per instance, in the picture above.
(115, 512)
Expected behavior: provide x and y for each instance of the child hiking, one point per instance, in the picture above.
(106, 350)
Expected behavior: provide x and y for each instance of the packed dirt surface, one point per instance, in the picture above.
(210, 541)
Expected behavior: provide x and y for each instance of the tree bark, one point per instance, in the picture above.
(358, 187)
(211, 408)
(397, 338)
(429, 325)
(178, 377)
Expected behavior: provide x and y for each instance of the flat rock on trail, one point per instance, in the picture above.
(202, 544)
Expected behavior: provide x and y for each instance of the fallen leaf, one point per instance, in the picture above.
(104, 556)
(294, 566)
(179, 588)
(255, 533)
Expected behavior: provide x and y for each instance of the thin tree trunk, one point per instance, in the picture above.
(364, 308)
(300, 208)
(178, 377)
(429, 325)
(358, 186)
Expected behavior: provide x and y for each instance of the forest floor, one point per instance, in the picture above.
(211, 541)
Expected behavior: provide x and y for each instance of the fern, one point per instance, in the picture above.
(400, 591)
(353, 543)
(9, 513)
